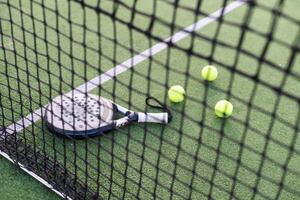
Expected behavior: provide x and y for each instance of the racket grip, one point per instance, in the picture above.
(162, 118)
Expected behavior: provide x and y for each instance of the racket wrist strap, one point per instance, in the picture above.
(159, 105)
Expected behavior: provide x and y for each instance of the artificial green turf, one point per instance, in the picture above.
(15, 184)
(181, 139)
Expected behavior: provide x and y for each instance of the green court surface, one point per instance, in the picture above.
(146, 152)
(16, 184)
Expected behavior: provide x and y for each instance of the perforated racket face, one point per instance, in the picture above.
(79, 112)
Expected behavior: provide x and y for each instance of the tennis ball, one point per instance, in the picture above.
(223, 108)
(209, 73)
(176, 93)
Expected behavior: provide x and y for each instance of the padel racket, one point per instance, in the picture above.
(87, 115)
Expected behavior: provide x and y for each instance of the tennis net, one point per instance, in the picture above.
(129, 50)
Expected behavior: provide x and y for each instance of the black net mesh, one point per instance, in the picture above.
(129, 50)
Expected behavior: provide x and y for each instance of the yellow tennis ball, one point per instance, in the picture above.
(176, 93)
(223, 108)
(209, 73)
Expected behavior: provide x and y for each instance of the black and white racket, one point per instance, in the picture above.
(87, 115)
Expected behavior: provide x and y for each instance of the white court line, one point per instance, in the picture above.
(41, 180)
(126, 65)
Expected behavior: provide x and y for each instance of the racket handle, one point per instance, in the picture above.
(162, 118)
